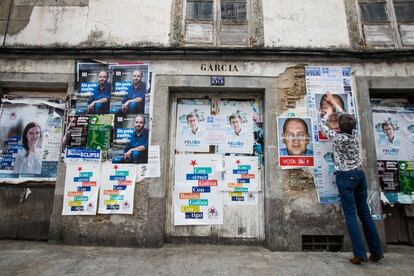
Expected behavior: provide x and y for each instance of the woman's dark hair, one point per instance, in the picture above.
(346, 123)
(25, 131)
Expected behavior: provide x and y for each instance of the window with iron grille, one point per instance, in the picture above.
(388, 23)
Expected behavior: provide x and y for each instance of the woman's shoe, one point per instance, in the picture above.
(375, 258)
(356, 260)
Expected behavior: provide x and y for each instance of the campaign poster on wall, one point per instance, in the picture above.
(324, 174)
(320, 80)
(76, 132)
(99, 132)
(191, 125)
(241, 174)
(394, 133)
(295, 142)
(406, 175)
(196, 197)
(322, 107)
(94, 89)
(30, 140)
(241, 198)
(131, 139)
(81, 189)
(130, 86)
(116, 194)
(388, 175)
(239, 131)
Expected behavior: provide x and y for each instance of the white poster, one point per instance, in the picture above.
(394, 133)
(239, 132)
(81, 189)
(216, 129)
(191, 126)
(241, 198)
(116, 195)
(241, 174)
(324, 174)
(30, 139)
(196, 197)
(320, 80)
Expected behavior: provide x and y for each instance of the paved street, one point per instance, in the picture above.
(41, 258)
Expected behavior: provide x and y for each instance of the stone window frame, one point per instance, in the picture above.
(254, 23)
(395, 37)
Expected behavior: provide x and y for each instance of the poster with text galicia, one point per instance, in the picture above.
(324, 174)
(116, 194)
(30, 140)
(394, 133)
(191, 125)
(130, 88)
(241, 174)
(295, 142)
(239, 132)
(196, 196)
(81, 189)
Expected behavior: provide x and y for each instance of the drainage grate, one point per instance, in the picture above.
(329, 243)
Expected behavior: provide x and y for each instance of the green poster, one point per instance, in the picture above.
(406, 176)
(99, 132)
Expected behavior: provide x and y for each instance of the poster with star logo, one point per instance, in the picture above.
(81, 189)
(116, 195)
(196, 196)
(241, 174)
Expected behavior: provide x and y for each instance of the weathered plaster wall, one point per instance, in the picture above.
(301, 23)
(93, 23)
(291, 203)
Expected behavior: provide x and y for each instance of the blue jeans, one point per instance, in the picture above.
(352, 187)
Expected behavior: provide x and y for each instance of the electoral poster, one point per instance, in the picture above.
(241, 174)
(116, 194)
(295, 142)
(191, 125)
(30, 140)
(239, 130)
(338, 81)
(81, 189)
(324, 174)
(196, 197)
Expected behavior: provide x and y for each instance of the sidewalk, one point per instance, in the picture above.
(41, 258)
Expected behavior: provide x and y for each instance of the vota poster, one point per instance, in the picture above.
(239, 130)
(81, 189)
(295, 142)
(116, 195)
(196, 196)
(191, 126)
(30, 140)
(241, 174)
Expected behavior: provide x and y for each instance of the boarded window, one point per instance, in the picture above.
(216, 22)
(388, 23)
